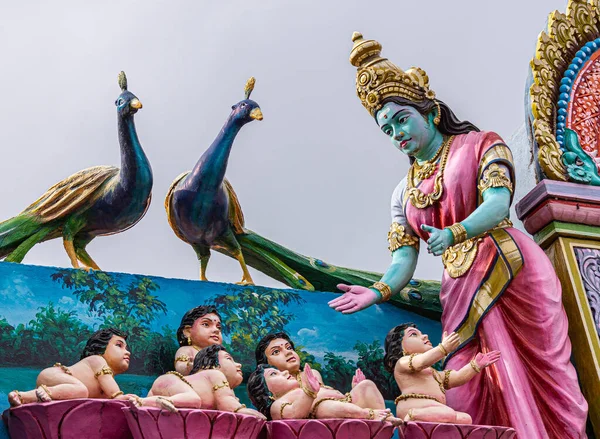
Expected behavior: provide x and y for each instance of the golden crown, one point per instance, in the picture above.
(378, 79)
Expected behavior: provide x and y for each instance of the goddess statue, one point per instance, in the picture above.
(499, 290)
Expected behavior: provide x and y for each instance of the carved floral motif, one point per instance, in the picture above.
(589, 267)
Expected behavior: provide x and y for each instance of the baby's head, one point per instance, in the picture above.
(200, 327)
(266, 384)
(111, 344)
(404, 339)
(217, 357)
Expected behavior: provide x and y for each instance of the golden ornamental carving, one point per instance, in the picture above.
(397, 237)
(495, 176)
(555, 48)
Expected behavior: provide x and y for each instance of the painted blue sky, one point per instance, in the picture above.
(25, 288)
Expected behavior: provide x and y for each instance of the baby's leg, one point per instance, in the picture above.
(339, 409)
(366, 395)
(186, 399)
(55, 384)
(436, 413)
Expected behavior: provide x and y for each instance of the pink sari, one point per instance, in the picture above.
(509, 300)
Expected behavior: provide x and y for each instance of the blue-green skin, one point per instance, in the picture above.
(417, 136)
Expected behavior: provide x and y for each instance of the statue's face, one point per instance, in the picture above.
(280, 382)
(408, 130)
(231, 369)
(205, 331)
(281, 355)
(116, 354)
(415, 342)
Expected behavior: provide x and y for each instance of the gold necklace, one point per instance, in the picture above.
(425, 170)
(418, 198)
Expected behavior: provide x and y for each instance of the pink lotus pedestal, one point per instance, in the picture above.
(73, 419)
(152, 423)
(329, 429)
(429, 430)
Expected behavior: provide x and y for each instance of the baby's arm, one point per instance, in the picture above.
(417, 362)
(467, 372)
(183, 362)
(106, 380)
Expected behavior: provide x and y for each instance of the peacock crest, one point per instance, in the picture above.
(249, 87)
(122, 80)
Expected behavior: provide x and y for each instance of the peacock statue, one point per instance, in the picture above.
(203, 210)
(101, 200)
(201, 205)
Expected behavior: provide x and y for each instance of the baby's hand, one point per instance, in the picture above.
(310, 380)
(358, 377)
(450, 342)
(487, 359)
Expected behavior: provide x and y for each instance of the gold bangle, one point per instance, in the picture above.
(443, 349)
(474, 366)
(410, 365)
(283, 405)
(371, 414)
(114, 395)
(458, 232)
(309, 392)
(104, 371)
(222, 385)
(447, 378)
(384, 289)
(243, 406)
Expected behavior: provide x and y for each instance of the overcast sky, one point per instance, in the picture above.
(315, 175)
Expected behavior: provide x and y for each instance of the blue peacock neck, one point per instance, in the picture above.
(209, 171)
(136, 173)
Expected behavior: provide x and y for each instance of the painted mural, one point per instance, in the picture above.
(47, 314)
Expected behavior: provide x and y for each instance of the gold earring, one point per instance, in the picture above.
(438, 117)
(401, 133)
(189, 341)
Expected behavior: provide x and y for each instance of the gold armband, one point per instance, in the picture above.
(474, 366)
(104, 371)
(114, 395)
(283, 405)
(410, 365)
(458, 232)
(384, 289)
(397, 237)
(183, 357)
(447, 378)
(443, 349)
(494, 176)
(223, 385)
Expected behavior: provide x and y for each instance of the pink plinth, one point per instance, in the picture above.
(152, 423)
(73, 419)
(329, 429)
(429, 430)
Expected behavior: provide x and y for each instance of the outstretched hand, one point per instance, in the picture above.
(310, 380)
(450, 341)
(439, 239)
(355, 298)
(487, 359)
(358, 377)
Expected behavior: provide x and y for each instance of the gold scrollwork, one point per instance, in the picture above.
(397, 237)
(555, 47)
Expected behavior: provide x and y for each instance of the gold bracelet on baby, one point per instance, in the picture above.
(384, 289)
(458, 232)
(243, 406)
(309, 392)
(474, 366)
(114, 395)
(443, 349)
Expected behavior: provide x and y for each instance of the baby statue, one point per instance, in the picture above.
(104, 356)
(209, 385)
(277, 349)
(200, 327)
(409, 355)
(281, 395)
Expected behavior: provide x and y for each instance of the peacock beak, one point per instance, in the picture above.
(256, 114)
(135, 103)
